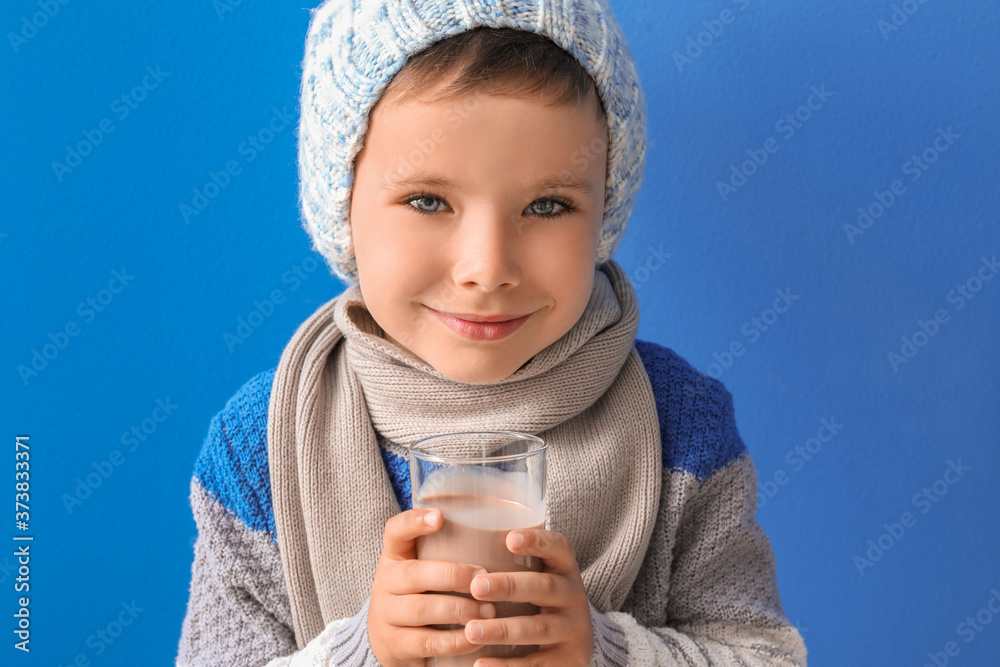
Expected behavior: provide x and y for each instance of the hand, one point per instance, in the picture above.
(562, 628)
(400, 608)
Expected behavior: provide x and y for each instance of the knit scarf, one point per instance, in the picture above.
(339, 381)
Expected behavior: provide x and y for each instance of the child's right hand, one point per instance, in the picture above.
(399, 609)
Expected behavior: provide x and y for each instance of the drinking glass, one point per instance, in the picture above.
(486, 483)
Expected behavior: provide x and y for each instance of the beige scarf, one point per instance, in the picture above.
(339, 381)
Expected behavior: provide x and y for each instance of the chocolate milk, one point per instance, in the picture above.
(479, 510)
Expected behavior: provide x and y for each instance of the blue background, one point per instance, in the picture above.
(704, 263)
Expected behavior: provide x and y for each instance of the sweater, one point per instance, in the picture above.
(706, 593)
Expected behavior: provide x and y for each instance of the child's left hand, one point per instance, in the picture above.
(562, 628)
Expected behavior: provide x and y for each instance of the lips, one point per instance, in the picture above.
(482, 327)
(482, 318)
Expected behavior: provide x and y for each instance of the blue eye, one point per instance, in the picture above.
(543, 207)
(427, 200)
(548, 206)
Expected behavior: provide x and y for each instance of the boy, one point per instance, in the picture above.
(469, 168)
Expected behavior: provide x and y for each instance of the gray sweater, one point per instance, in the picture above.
(705, 595)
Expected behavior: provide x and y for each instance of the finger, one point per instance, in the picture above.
(554, 548)
(539, 588)
(429, 642)
(547, 656)
(419, 576)
(402, 530)
(520, 630)
(431, 609)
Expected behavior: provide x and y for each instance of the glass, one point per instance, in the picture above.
(486, 483)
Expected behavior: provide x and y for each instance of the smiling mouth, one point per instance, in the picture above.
(483, 318)
(495, 327)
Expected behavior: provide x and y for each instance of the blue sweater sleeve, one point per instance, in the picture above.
(697, 422)
(232, 466)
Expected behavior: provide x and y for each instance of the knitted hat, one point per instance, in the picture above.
(351, 55)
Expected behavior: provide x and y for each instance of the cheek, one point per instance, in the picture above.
(392, 274)
(385, 245)
(568, 250)
(568, 278)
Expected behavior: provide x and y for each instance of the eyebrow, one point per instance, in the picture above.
(567, 181)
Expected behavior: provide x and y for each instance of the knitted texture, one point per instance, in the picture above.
(354, 48)
(693, 406)
(233, 462)
(706, 593)
(339, 380)
(697, 434)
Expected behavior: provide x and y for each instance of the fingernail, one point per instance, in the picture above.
(480, 586)
(474, 630)
(516, 540)
(486, 610)
(431, 519)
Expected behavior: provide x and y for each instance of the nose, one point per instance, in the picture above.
(486, 251)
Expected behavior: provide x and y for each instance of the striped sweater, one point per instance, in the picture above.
(706, 593)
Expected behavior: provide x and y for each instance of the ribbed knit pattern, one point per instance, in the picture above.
(342, 642)
(610, 644)
(353, 49)
(706, 593)
(339, 380)
(689, 405)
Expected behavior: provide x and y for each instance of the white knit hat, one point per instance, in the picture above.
(352, 54)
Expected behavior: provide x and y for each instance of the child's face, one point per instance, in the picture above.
(477, 166)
